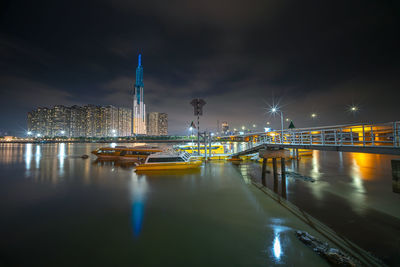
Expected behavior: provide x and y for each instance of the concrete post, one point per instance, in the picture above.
(263, 171)
(283, 178)
(274, 166)
(396, 175)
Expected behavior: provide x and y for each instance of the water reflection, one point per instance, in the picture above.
(61, 157)
(139, 188)
(315, 173)
(28, 156)
(37, 156)
(277, 247)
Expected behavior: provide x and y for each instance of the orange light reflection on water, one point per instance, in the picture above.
(364, 165)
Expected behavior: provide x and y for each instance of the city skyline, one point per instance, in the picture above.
(311, 58)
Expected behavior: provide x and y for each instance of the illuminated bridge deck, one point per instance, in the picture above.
(365, 138)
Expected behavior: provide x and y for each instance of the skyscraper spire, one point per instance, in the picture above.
(138, 107)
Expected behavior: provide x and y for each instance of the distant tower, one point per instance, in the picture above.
(138, 107)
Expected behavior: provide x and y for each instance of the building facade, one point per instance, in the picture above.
(157, 123)
(77, 121)
(225, 127)
(138, 106)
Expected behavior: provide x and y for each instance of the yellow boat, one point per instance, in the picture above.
(135, 153)
(192, 148)
(168, 161)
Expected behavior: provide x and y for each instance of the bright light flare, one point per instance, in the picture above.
(277, 247)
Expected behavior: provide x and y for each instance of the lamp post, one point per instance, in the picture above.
(191, 135)
(275, 110)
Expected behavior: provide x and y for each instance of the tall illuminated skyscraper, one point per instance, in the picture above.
(138, 107)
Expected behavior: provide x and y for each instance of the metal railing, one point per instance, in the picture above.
(358, 135)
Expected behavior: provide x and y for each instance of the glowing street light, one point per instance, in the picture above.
(38, 135)
(287, 119)
(62, 132)
(254, 126)
(275, 110)
(243, 127)
(313, 115)
(353, 108)
(114, 131)
(267, 122)
(29, 133)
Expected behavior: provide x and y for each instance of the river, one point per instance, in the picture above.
(59, 210)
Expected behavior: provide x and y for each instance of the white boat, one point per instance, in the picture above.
(170, 160)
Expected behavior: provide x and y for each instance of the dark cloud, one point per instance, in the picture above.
(311, 56)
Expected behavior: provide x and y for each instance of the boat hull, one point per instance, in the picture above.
(168, 166)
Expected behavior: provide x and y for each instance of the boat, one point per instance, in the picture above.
(170, 160)
(136, 153)
(193, 149)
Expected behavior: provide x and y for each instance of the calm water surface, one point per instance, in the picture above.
(352, 194)
(60, 210)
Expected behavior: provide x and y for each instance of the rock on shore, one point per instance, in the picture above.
(333, 255)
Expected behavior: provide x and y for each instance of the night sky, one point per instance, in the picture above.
(240, 56)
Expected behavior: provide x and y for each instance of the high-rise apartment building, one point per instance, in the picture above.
(76, 121)
(225, 127)
(157, 123)
(138, 106)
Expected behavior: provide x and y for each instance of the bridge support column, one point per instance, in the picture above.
(396, 175)
(283, 178)
(275, 168)
(263, 171)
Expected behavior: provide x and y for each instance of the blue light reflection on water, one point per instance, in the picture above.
(138, 190)
(277, 247)
(137, 217)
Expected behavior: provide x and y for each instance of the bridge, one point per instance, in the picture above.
(381, 138)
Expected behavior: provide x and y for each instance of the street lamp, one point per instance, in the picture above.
(267, 122)
(243, 127)
(62, 132)
(29, 133)
(38, 135)
(275, 110)
(353, 108)
(313, 115)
